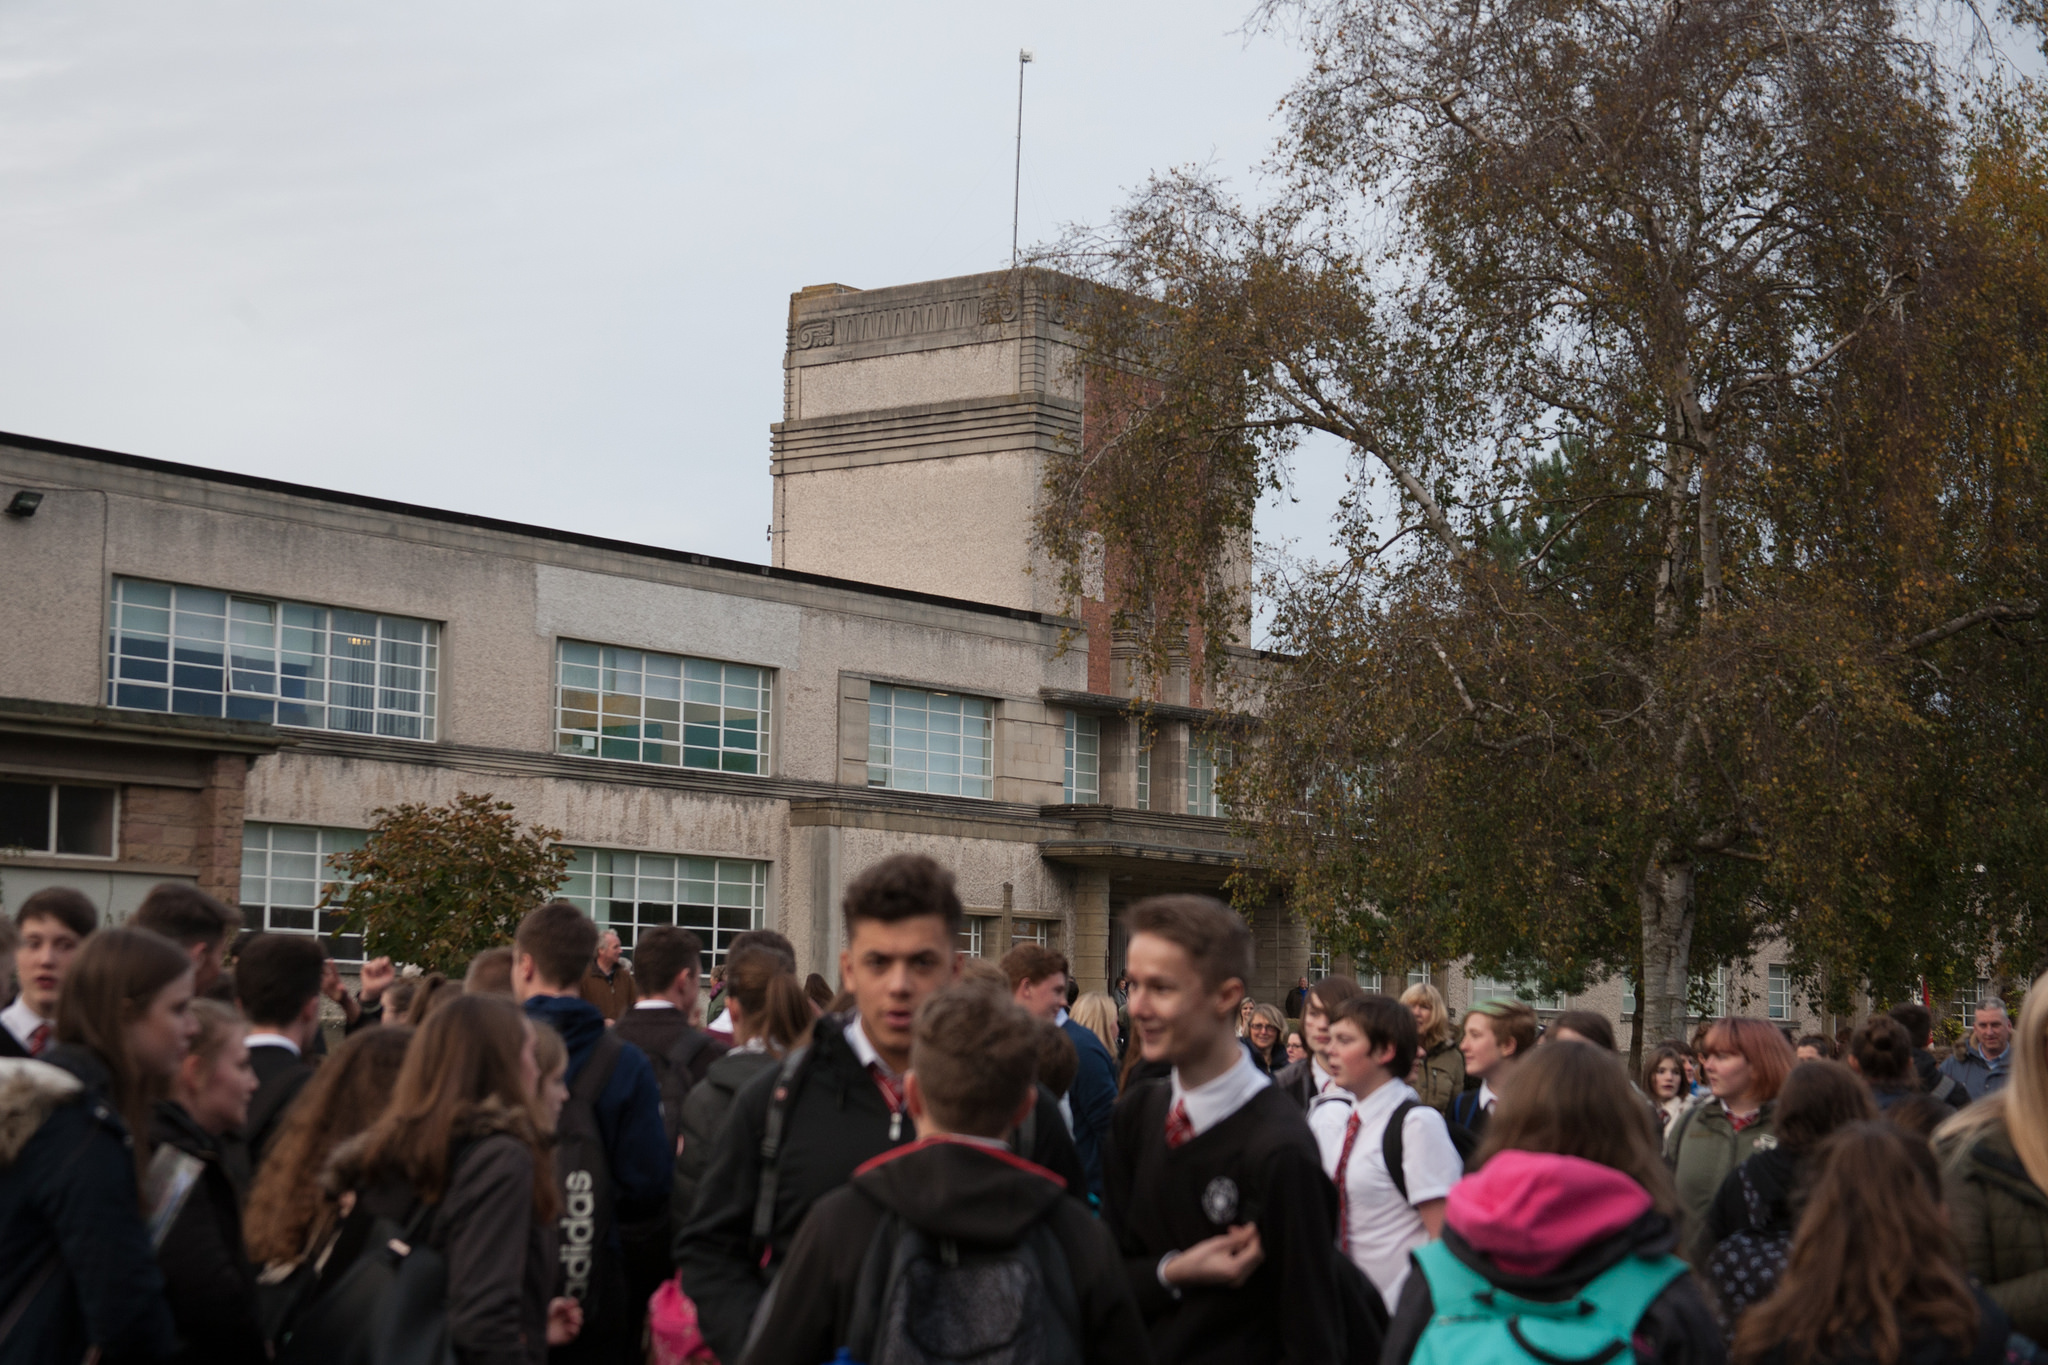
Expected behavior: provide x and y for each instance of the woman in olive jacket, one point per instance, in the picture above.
(1439, 1075)
(1994, 1174)
(1746, 1062)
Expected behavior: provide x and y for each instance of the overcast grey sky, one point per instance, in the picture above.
(533, 260)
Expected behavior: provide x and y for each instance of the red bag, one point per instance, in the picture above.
(673, 1337)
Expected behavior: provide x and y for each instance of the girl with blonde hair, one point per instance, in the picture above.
(1096, 1012)
(1439, 1075)
(1995, 1177)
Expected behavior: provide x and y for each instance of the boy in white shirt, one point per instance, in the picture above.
(1381, 1216)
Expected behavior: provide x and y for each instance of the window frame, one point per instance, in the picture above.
(1208, 759)
(129, 673)
(1777, 990)
(681, 723)
(346, 949)
(53, 822)
(889, 751)
(1080, 727)
(715, 935)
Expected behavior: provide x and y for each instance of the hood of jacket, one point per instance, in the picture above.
(732, 1070)
(347, 1168)
(961, 1190)
(170, 1122)
(578, 1021)
(1532, 1214)
(29, 1092)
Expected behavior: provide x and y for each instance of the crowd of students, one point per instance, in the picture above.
(568, 1157)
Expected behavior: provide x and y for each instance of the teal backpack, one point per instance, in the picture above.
(1477, 1324)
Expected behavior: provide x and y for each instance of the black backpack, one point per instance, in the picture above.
(923, 1300)
(1391, 1142)
(591, 1270)
(673, 1075)
(389, 1306)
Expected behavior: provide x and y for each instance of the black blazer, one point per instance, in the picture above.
(279, 1078)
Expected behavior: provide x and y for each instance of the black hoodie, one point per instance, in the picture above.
(948, 1188)
(208, 1280)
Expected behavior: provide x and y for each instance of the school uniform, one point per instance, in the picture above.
(1377, 1225)
(1186, 1164)
(23, 1032)
(1474, 1109)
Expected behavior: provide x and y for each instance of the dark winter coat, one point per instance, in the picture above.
(637, 1150)
(1297, 1081)
(1702, 1147)
(207, 1276)
(280, 1075)
(1092, 1097)
(70, 1217)
(2000, 1218)
(948, 1189)
(501, 1259)
(704, 1111)
(836, 1121)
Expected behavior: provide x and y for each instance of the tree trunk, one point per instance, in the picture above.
(1665, 898)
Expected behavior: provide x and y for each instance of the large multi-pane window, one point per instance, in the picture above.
(930, 741)
(1968, 996)
(1084, 759)
(1207, 758)
(717, 898)
(284, 868)
(199, 652)
(1318, 958)
(645, 707)
(977, 935)
(1036, 931)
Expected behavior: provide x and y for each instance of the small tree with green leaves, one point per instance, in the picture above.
(436, 885)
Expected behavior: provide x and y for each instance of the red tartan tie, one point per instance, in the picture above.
(1179, 1127)
(1343, 1185)
(38, 1039)
(890, 1086)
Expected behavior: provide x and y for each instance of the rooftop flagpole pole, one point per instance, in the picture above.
(1017, 186)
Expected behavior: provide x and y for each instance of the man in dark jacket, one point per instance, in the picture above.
(970, 1082)
(844, 1101)
(549, 953)
(277, 983)
(198, 923)
(1038, 981)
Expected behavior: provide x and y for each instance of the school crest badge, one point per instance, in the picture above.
(1219, 1200)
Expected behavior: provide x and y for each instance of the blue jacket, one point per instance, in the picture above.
(628, 1112)
(1978, 1074)
(68, 1201)
(1092, 1097)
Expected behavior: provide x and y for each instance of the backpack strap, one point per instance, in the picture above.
(788, 1081)
(1390, 1144)
(597, 1069)
(878, 1271)
(1057, 1276)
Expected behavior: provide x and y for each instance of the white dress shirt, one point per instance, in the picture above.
(857, 1039)
(1211, 1102)
(1380, 1227)
(1488, 1097)
(21, 1021)
(271, 1040)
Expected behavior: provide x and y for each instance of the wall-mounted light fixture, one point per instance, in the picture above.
(24, 503)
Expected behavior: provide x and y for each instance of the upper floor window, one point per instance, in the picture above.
(1084, 759)
(923, 741)
(1207, 759)
(48, 817)
(198, 652)
(1144, 775)
(284, 870)
(661, 708)
(1778, 991)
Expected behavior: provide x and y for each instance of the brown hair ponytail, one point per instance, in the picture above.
(772, 1005)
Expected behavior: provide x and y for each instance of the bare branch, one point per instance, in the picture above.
(2023, 610)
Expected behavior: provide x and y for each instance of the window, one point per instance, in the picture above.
(1084, 759)
(977, 935)
(1628, 998)
(1371, 982)
(1706, 995)
(660, 708)
(1778, 991)
(1207, 759)
(1144, 774)
(716, 898)
(922, 741)
(1318, 959)
(1419, 976)
(1038, 931)
(284, 868)
(198, 652)
(1493, 988)
(50, 817)
(1968, 996)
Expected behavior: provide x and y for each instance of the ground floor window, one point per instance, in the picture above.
(284, 869)
(716, 898)
(1486, 988)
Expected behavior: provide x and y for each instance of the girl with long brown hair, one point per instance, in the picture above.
(770, 1015)
(290, 1214)
(1874, 1276)
(1570, 1188)
(75, 1254)
(461, 1135)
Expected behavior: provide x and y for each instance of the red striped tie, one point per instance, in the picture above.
(1343, 1185)
(1179, 1127)
(38, 1039)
